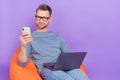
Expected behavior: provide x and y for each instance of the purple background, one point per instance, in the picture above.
(87, 25)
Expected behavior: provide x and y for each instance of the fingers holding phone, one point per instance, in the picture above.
(26, 36)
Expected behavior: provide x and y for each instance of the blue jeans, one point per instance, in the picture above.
(75, 74)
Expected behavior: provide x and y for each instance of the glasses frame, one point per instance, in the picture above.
(43, 18)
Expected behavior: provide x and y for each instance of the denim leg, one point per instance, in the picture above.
(62, 75)
(47, 74)
(55, 75)
(77, 74)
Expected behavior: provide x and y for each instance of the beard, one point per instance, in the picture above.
(41, 26)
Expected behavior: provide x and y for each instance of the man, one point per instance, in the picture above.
(44, 46)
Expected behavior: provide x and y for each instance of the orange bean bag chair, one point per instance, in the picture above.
(29, 72)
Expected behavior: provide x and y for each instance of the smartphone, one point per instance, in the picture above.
(26, 30)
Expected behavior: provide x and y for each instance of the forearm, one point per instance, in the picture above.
(22, 57)
(24, 49)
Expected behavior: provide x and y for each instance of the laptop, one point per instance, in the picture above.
(67, 61)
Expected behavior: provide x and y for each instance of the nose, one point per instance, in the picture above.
(41, 20)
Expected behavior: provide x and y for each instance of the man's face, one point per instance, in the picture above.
(42, 19)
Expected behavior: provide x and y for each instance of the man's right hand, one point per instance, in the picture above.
(25, 39)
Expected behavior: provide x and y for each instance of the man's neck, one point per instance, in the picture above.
(41, 30)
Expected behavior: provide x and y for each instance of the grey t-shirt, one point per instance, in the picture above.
(45, 47)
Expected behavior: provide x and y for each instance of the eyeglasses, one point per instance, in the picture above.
(43, 18)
